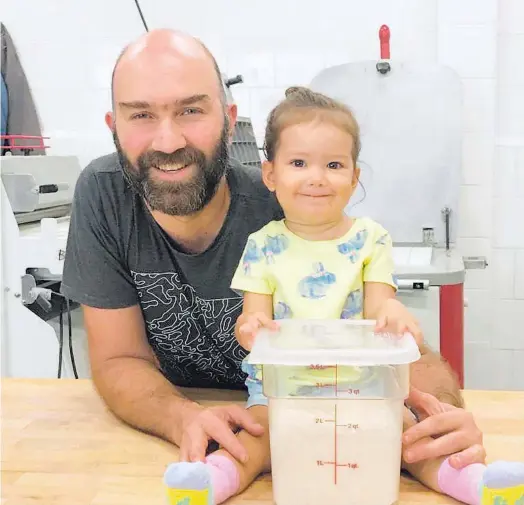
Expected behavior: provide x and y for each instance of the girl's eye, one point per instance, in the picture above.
(298, 163)
(334, 164)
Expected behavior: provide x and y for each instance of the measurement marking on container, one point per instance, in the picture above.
(321, 420)
(350, 426)
(335, 428)
(353, 466)
(325, 385)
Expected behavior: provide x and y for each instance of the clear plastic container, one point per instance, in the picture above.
(336, 392)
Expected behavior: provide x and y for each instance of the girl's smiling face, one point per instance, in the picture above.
(313, 173)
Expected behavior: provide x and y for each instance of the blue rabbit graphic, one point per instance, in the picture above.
(251, 255)
(353, 305)
(315, 286)
(352, 247)
(282, 311)
(274, 246)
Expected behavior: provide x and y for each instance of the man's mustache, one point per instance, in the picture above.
(184, 156)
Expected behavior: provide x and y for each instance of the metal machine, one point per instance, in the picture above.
(36, 197)
(410, 116)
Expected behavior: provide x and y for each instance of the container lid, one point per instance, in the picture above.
(331, 342)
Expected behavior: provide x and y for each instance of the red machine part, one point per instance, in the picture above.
(11, 139)
(384, 36)
(452, 328)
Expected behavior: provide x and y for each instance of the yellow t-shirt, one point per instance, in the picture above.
(315, 279)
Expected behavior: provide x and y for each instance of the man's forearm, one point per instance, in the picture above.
(137, 393)
(432, 374)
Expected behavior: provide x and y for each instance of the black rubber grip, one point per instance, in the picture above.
(48, 188)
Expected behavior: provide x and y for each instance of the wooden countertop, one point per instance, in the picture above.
(60, 446)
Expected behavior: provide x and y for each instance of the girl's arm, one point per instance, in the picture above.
(376, 294)
(391, 315)
(431, 373)
(257, 313)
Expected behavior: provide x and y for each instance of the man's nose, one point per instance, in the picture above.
(169, 137)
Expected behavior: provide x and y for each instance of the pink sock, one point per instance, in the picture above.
(463, 485)
(224, 476)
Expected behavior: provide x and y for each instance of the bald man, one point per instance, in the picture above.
(157, 230)
(156, 233)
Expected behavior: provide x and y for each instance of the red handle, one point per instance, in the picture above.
(384, 35)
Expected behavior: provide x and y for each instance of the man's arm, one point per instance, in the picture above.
(126, 374)
(432, 374)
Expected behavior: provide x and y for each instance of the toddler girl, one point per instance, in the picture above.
(318, 262)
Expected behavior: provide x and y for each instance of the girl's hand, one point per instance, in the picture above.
(394, 318)
(248, 326)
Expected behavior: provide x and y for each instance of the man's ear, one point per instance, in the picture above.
(232, 111)
(268, 175)
(109, 120)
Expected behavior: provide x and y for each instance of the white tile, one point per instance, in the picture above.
(257, 68)
(262, 101)
(511, 14)
(474, 220)
(477, 316)
(511, 49)
(508, 231)
(479, 105)
(476, 278)
(470, 50)
(297, 67)
(426, 48)
(487, 368)
(73, 23)
(477, 158)
(502, 266)
(242, 97)
(519, 170)
(467, 12)
(507, 325)
(505, 172)
(518, 368)
(51, 73)
(79, 110)
(519, 276)
(100, 61)
(511, 111)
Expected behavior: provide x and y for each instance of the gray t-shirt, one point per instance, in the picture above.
(118, 256)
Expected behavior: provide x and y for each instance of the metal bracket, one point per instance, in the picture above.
(475, 262)
(446, 214)
(32, 294)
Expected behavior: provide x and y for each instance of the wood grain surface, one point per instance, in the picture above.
(60, 446)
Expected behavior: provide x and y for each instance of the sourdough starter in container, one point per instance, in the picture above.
(336, 393)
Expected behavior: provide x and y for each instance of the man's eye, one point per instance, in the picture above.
(298, 163)
(141, 115)
(190, 111)
(334, 164)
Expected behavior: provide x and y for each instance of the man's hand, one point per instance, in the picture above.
(393, 317)
(200, 425)
(453, 432)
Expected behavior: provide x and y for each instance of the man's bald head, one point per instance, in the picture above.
(171, 122)
(165, 42)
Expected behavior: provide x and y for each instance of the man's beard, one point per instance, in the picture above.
(173, 197)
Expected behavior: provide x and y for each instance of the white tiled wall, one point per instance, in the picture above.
(281, 43)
